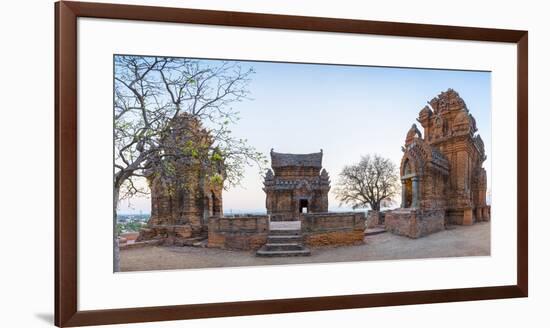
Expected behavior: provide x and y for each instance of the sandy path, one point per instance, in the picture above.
(457, 241)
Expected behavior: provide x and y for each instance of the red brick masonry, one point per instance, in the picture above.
(242, 233)
(334, 229)
(319, 229)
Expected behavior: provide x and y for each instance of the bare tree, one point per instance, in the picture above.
(370, 183)
(149, 92)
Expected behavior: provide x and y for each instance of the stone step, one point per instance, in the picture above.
(283, 247)
(374, 231)
(284, 240)
(277, 218)
(266, 253)
(285, 232)
(275, 239)
(285, 225)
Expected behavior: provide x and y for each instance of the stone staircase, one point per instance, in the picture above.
(284, 242)
(375, 230)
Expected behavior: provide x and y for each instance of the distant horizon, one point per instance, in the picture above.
(264, 211)
(348, 111)
(257, 211)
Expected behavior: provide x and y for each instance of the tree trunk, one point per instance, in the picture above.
(116, 250)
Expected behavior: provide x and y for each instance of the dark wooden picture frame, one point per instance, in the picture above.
(66, 14)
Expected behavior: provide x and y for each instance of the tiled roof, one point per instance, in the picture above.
(300, 160)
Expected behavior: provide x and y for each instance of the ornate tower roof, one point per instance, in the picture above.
(447, 101)
(313, 160)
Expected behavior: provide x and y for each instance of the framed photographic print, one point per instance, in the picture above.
(216, 163)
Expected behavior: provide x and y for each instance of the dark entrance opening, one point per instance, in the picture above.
(303, 205)
(408, 193)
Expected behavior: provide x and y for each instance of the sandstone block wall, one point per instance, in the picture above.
(334, 229)
(239, 233)
(415, 223)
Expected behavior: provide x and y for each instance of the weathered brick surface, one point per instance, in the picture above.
(373, 219)
(414, 223)
(323, 229)
(398, 221)
(239, 233)
(216, 240)
(468, 217)
(335, 238)
(171, 232)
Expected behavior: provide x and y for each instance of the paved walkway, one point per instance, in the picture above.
(457, 241)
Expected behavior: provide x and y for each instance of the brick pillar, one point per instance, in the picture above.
(479, 214)
(468, 218)
(486, 213)
(403, 194)
(415, 192)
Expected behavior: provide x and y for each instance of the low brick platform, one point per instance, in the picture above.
(414, 223)
(333, 229)
(238, 233)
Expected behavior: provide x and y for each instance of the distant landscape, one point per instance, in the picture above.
(131, 222)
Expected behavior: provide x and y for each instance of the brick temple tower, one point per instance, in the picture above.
(186, 187)
(451, 129)
(442, 174)
(295, 184)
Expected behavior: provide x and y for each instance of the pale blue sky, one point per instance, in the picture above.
(348, 111)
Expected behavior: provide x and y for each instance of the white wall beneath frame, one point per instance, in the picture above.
(26, 281)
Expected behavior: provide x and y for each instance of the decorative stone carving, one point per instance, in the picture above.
(413, 134)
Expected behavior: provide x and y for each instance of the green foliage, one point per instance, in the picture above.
(133, 226)
(217, 157)
(216, 180)
(151, 91)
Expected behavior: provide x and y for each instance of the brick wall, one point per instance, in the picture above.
(239, 233)
(373, 219)
(415, 223)
(168, 233)
(334, 229)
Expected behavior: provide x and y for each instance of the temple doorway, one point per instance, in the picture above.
(303, 206)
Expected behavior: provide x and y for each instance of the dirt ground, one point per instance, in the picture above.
(454, 242)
